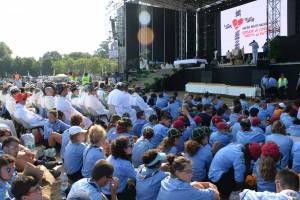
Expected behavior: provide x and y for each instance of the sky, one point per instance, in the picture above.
(32, 27)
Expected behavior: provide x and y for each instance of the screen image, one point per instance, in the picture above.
(243, 24)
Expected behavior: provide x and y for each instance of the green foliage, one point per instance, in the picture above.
(51, 61)
(103, 49)
(275, 49)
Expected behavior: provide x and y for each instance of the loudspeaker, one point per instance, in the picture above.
(206, 77)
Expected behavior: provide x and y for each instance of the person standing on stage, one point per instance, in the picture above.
(255, 48)
(263, 84)
(282, 86)
(298, 87)
(265, 48)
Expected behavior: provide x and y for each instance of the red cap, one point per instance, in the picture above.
(21, 97)
(271, 149)
(216, 119)
(181, 118)
(178, 124)
(255, 121)
(254, 150)
(197, 119)
(274, 118)
(222, 125)
(240, 118)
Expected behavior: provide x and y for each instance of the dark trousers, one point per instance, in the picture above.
(76, 176)
(226, 184)
(129, 192)
(282, 94)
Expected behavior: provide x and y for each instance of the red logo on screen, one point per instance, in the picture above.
(237, 23)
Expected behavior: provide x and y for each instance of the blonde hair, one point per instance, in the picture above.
(96, 133)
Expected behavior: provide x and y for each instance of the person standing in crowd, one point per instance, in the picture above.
(255, 48)
(85, 79)
(178, 186)
(272, 87)
(287, 188)
(102, 175)
(282, 87)
(263, 84)
(18, 80)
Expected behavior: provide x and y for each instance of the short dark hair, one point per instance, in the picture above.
(117, 147)
(76, 120)
(179, 164)
(7, 141)
(148, 132)
(139, 114)
(6, 159)
(237, 108)
(242, 96)
(101, 169)
(22, 185)
(288, 179)
(245, 124)
(254, 112)
(153, 118)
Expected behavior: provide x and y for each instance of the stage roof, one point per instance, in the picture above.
(191, 4)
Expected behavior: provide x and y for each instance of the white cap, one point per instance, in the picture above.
(282, 105)
(76, 129)
(2, 125)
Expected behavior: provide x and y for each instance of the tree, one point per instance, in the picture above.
(103, 49)
(5, 51)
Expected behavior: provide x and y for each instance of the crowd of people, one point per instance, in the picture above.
(117, 142)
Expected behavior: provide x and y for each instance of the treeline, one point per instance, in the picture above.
(53, 62)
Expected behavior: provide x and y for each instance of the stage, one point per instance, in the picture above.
(234, 75)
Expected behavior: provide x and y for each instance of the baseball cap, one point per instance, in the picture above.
(197, 119)
(216, 119)
(222, 125)
(178, 124)
(271, 149)
(76, 129)
(282, 105)
(254, 150)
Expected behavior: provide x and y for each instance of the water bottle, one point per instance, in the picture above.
(64, 186)
(28, 141)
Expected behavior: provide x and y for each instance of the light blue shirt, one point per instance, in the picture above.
(201, 162)
(261, 184)
(272, 83)
(270, 109)
(263, 114)
(110, 132)
(116, 135)
(139, 148)
(293, 130)
(5, 191)
(285, 146)
(91, 155)
(283, 195)
(123, 170)
(88, 186)
(73, 157)
(233, 118)
(268, 130)
(65, 139)
(246, 137)
(234, 130)
(175, 189)
(161, 103)
(148, 183)
(221, 137)
(227, 157)
(286, 119)
(257, 129)
(172, 109)
(160, 132)
(296, 157)
(138, 126)
(58, 126)
(244, 104)
(206, 101)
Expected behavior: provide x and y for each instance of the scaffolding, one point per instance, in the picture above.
(273, 18)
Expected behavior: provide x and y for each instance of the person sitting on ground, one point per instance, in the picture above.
(22, 113)
(269, 124)
(247, 135)
(169, 144)
(287, 187)
(279, 109)
(221, 135)
(255, 125)
(206, 114)
(7, 171)
(173, 107)
(230, 165)
(142, 145)
(265, 167)
(178, 185)
(199, 152)
(152, 121)
(288, 116)
(76, 99)
(149, 176)
(161, 102)
(73, 155)
(102, 175)
(27, 188)
(121, 151)
(295, 157)
(244, 102)
(294, 129)
(214, 121)
(53, 129)
(256, 104)
(123, 129)
(139, 123)
(95, 151)
(206, 100)
(284, 142)
(161, 129)
(236, 127)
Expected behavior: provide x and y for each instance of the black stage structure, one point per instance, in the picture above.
(185, 29)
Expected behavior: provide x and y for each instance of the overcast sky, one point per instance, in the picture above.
(32, 27)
